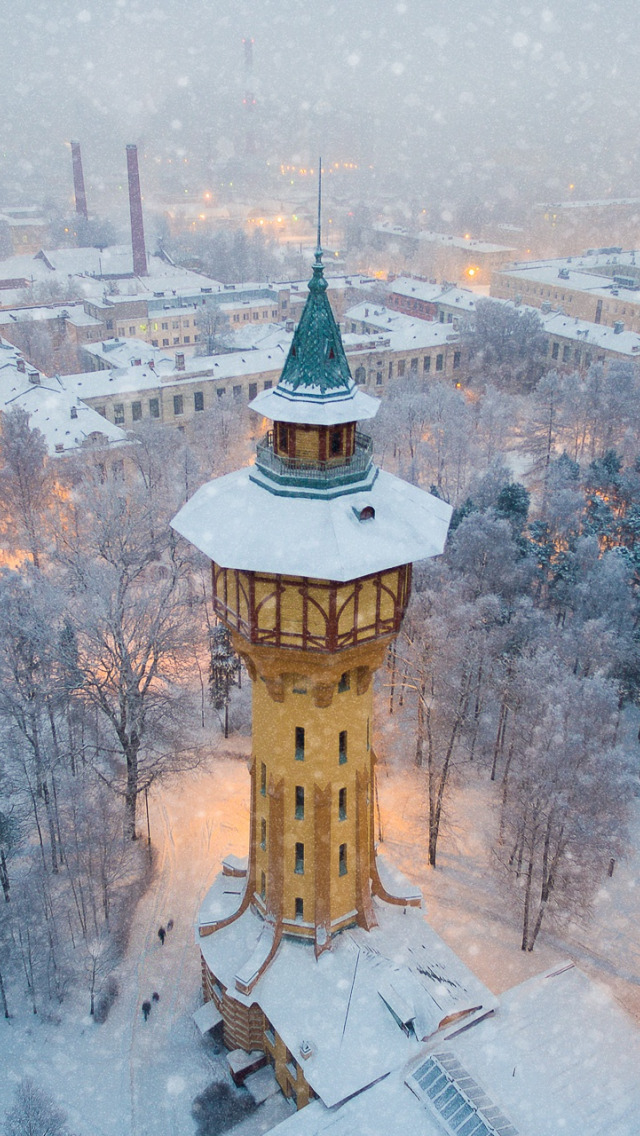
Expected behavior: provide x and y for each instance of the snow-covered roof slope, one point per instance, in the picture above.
(337, 1002)
(557, 1056)
(281, 406)
(240, 524)
(63, 419)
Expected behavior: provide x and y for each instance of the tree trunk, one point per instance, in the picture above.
(3, 997)
(526, 908)
(131, 792)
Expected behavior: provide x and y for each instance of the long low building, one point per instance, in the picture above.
(601, 287)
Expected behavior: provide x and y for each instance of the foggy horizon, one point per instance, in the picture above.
(498, 103)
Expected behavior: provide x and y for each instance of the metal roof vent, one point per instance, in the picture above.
(34, 377)
(618, 327)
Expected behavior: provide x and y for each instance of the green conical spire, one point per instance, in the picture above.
(316, 364)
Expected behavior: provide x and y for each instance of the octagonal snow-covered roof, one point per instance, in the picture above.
(240, 524)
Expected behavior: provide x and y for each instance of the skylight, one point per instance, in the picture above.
(444, 1086)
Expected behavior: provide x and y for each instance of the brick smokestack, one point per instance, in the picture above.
(78, 180)
(135, 208)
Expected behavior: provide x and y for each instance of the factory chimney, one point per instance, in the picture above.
(135, 208)
(78, 180)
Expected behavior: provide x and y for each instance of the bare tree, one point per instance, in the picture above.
(26, 482)
(131, 617)
(34, 1113)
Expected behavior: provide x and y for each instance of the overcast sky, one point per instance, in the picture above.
(497, 96)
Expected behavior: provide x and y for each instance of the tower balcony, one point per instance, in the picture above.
(305, 474)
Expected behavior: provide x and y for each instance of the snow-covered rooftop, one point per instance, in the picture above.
(340, 1003)
(62, 418)
(241, 524)
(404, 332)
(556, 1056)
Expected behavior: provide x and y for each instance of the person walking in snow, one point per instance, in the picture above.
(146, 1009)
(170, 925)
(161, 935)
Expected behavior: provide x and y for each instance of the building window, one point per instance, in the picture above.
(154, 342)
(283, 437)
(118, 414)
(245, 315)
(426, 364)
(178, 404)
(566, 351)
(187, 339)
(342, 860)
(263, 779)
(198, 400)
(456, 360)
(336, 442)
(439, 362)
(256, 315)
(136, 411)
(109, 325)
(360, 375)
(263, 834)
(342, 747)
(401, 363)
(299, 868)
(555, 350)
(185, 323)
(344, 683)
(121, 331)
(268, 384)
(414, 366)
(253, 390)
(102, 410)
(175, 325)
(154, 408)
(378, 378)
(263, 886)
(236, 319)
(342, 804)
(299, 802)
(221, 391)
(299, 908)
(176, 340)
(390, 371)
(165, 327)
(165, 342)
(299, 743)
(237, 392)
(132, 330)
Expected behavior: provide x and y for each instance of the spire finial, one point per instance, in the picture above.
(319, 243)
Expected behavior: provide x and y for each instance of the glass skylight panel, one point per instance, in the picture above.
(465, 1109)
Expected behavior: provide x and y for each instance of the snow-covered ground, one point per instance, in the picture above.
(131, 1078)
